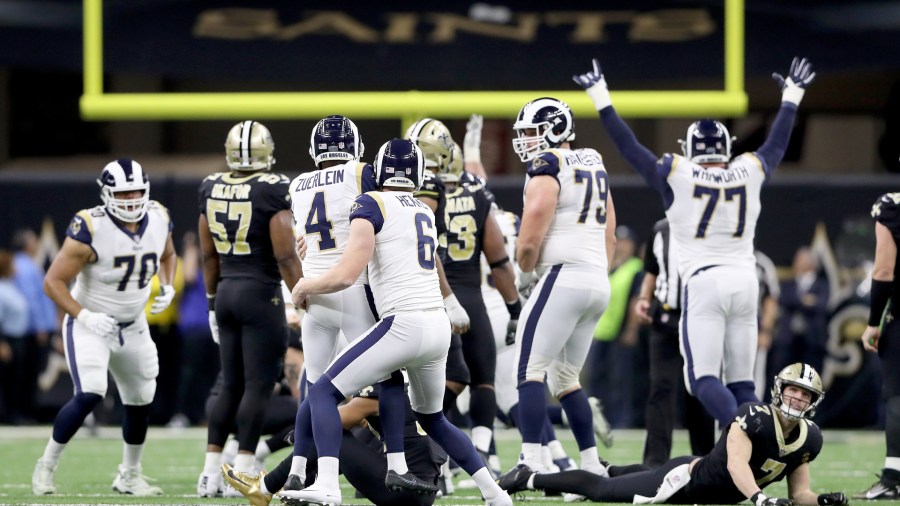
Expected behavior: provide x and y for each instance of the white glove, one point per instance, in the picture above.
(472, 140)
(459, 319)
(594, 84)
(162, 301)
(799, 77)
(101, 324)
(525, 283)
(214, 326)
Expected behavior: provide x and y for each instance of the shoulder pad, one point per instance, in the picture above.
(213, 177)
(546, 163)
(886, 210)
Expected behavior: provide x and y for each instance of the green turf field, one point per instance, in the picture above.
(173, 458)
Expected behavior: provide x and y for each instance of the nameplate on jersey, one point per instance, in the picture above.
(724, 176)
(231, 191)
(410, 201)
(462, 204)
(321, 178)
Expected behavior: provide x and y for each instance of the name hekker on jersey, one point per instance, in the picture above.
(577, 233)
(238, 209)
(467, 211)
(714, 211)
(774, 455)
(886, 211)
(402, 271)
(321, 201)
(118, 282)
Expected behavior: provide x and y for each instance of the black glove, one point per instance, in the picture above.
(760, 499)
(515, 309)
(833, 499)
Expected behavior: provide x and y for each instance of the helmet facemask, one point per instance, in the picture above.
(552, 124)
(123, 176)
(801, 376)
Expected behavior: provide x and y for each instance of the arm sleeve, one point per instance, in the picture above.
(367, 208)
(639, 157)
(772, 151)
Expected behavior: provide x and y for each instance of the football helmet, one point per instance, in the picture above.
(400, 163)
(552, 124)
(455, 167)
(435, 141)
(707, 141)
(124, 175)
(335, 138)
(803, 376)
(249, 146)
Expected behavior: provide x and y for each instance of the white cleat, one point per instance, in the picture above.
(501, 500)
(311, 496)
(210, 485)
(129, 480)
(42, 478)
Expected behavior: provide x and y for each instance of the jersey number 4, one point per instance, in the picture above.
(236, 225)
(731, 194)
(587, 178)
(317, 222)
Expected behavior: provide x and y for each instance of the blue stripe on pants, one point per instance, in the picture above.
(533, 317)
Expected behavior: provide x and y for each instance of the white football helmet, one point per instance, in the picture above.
(249, 146)
(707, 141)
(552, 122)
(124, 175)
(802, 376)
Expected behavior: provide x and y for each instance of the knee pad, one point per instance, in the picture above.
(536, 368)
(566, 379)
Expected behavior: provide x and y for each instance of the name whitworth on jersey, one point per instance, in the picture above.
(734, 173)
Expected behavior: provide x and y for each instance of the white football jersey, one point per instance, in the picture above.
(714, 211)
(321, 202)
(577, 234)
(402, 272)
(509, 228)
(118, 283)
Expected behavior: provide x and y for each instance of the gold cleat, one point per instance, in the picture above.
(247, 484)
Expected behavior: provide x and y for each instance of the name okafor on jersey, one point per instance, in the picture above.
(713, 211)
(467, 211)
(118, 282)
(774, 455)
(238, 209)
(321, 201)
(886, 211)
(402, 271)
(577, 233)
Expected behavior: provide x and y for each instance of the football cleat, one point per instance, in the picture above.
(880, 491)
(565, 464)
(516, 480)
(42, 478)
(408, 482)
(209, 485)
(602, 429)
(247, 484)
(294, 482)
(311, 495)
(129, 480)
(445, 480)
(501, 500)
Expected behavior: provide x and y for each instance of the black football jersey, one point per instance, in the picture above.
(433, 187)
(238, 209)
(886, 211)
(774, 455)
(467, 211)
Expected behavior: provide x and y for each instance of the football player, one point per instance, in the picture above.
(882, 335)
(247, 242)
(564, 248)
(112, 252)
(762, 445)
(712, 203)
(471, 228)
(393, 233)
(321, 202)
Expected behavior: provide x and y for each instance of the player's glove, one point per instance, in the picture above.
(515, 309)
(760, 499)
(101, 324)
(594, 84)
(525, 283)
(214, 326)
(800, 76)
(162, 301)
(472, 140)
(459, 319)
(833, 499)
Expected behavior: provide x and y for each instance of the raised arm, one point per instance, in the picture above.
(792, 89)
(639, 157)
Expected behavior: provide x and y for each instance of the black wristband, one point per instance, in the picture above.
(499, 263)
(515, 309)
(879, 296)
(211, 302)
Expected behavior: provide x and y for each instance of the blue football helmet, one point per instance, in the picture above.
(400, 163)
(707, 141)
(124, 175)
(335, 138)
(552, 123)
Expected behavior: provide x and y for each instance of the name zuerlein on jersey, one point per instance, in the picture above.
(321, 178)
(732, 174)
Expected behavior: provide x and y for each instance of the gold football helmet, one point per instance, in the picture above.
(249, 146)
(455, 167)
(802, 376)
(435, 141)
